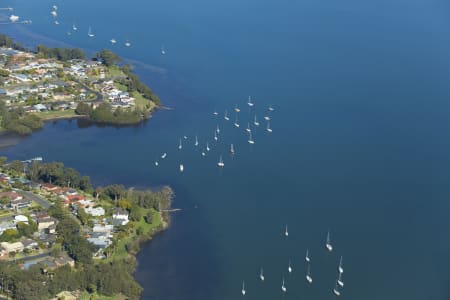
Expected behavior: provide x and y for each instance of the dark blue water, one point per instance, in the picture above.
(359, 145)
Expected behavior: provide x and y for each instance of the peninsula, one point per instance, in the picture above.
(60, 83)
(61, 238)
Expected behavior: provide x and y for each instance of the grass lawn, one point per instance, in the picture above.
(141, 102)
(87, 296)
(114, 71)
(56, 114)
(121, 251)
(120, 87)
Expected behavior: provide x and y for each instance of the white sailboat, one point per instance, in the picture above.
(54, 13)
(290, 267)
(341, 267)
(271, 108)
(163, 50)
(236, 108)
(328, 243)
(215, 112)
(215, 136)
(236, 124)
(250, 139)
(164, 155)
(269, 130)
(207, 147)
(74, 27)
(203, 152)
(156, 163)
(283, 287)
(55, 7)
(181, 168)
(217, 129)
(307, 256)
(56, 22)
(340, 281)
(308, 274)
(248, 127)
(90, 34)
(256, 121)
(69, 33)
(336, 290)
(261, 275)
(196, 141)
(180, 146)
(250, 103)
(267, 118)
(127, 44)
(286, 233)
(185, 137)
(221, 164)
(243, 288)
(113, 41)
(232, 149)
(226, 116)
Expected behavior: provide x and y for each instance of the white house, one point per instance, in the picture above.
(120, 217)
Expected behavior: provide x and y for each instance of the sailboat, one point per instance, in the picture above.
(243, 288)
(232, 149)
(236, 124)
(283, 287)
(196, 141)
(164, 155)
(181, 168)
(215, 136)
(268, 128)
(250, 103)
(328, 243)
(336, 290)
(156, 163)
(256, 122)
(267, 118)
(340, 268)
(203, 152)
(163, 50)
(308, 274)
(307, 256)
(90, 34)
(56, 22)
(226, 116)
(221, 163)
(54, 13)
(286, 233)
(271, 108)
(180, 146)
(185, 137)
(74, 27)
(113, 41)
(127, 44)
(340, 282)
(69, 33)
(207, 146)
(289, 267)
(261, 275)
(215, 112)
(248, 127)
(250, 139)
(217, 129)
(236, 108)
(55, 7)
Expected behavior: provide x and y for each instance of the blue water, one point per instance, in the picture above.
(360, 143)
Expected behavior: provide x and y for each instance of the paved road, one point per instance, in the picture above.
(39, 200)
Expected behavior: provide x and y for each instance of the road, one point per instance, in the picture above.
(39, 200)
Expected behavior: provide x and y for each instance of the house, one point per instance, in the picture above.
(45, 223)
(120, 217)
(20, 204)
(95, 212)
(20, 219)
(40, 107)
(49, 187)
(103, 228)
(11, 196)
(30, 244)
(64, 260)
(10, 247)
(7, 225)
